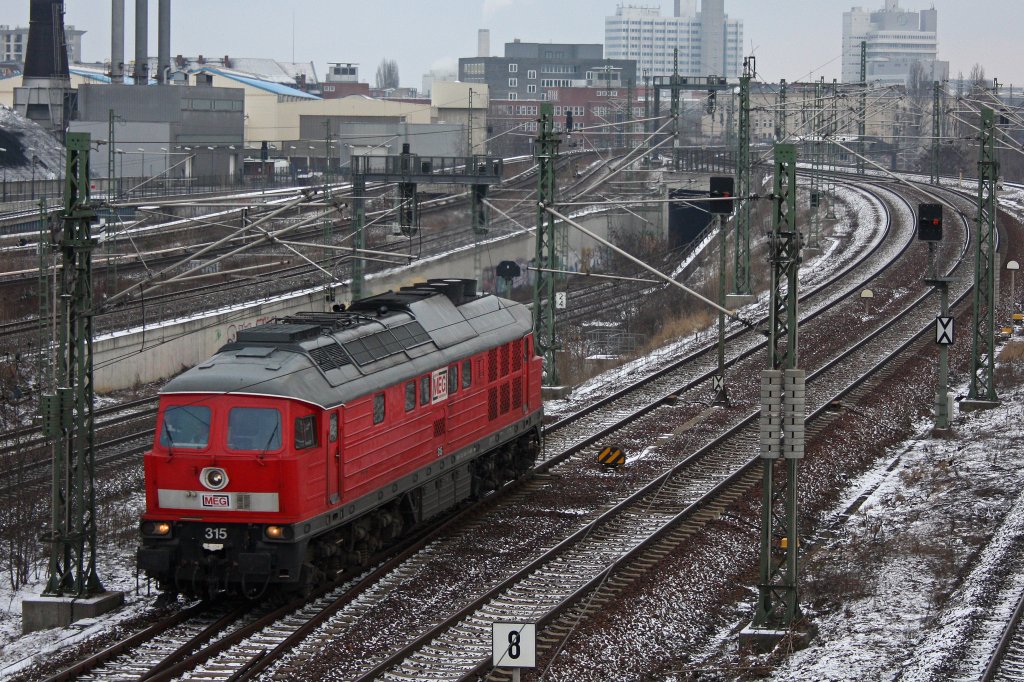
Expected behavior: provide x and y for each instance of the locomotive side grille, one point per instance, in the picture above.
(329, 357)
(504, 360)
(504, 397)
(438, 428)
(492, 364)
(517, 392)
(517, 355)
(492, 403)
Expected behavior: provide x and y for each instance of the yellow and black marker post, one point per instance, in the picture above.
(611, 456)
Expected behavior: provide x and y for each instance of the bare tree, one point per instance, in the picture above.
(977, 78)
(387, 74)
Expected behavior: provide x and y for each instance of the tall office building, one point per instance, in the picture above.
(896, 38)
(709, 41)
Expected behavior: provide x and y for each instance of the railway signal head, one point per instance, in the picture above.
(929, 222)
(722, 187)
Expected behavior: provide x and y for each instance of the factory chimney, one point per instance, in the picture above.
(46, 56)
(117, 41)
(483, 43)
(141, 74)
(45, 92)
(163, 57)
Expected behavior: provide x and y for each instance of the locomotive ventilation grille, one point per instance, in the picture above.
(370, 348)
(329, 357)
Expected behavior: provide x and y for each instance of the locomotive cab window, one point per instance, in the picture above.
(254, 428)
(378, 408)
(424, 390)
(332, 434)
(453, 379)
(467, 374)
(305, 432)
(185, 426)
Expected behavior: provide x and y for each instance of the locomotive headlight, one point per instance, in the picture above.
(275, 532)
(213, 478)
(156, 528)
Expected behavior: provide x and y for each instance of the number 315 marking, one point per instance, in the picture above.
(216, 534)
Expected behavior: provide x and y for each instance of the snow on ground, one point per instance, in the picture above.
(905, 589)
(853, 230)
(115, 566)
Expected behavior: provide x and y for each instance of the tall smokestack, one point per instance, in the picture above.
(141, 42)
(163, 45)
(117, 41)
(46, 55)
(45, 92)
(483, 43)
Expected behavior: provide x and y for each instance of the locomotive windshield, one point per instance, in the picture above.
(185, 426)
(254, 428)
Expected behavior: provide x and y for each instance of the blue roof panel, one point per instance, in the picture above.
(276, 88)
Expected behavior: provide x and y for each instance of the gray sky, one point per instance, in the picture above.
(793, 39)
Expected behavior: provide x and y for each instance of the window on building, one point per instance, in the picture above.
(531, 74)
(513, 95)
(513, 68)
(513, 82)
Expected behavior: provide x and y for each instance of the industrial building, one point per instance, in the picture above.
(896, 39)
(530, 70)
(14, 43)
(709, 42)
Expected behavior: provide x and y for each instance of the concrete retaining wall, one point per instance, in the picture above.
(163, 350)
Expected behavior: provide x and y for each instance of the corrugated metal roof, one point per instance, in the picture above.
(276, 88)
(102, 77)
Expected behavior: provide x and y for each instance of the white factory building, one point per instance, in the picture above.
(896, 38)
(709, 41)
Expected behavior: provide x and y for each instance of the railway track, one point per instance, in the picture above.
(678, 508)
(283, 279)
(226, 666)
(576, 578)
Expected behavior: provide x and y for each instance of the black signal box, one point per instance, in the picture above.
(815, 200)
(929, 222)
(722, 187)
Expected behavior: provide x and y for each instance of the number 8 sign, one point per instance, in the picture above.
(514, 645)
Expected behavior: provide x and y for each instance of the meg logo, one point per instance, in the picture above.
(216, 501)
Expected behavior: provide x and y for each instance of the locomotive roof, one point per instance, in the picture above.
(330, 358)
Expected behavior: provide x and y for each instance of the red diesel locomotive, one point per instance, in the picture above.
(311, 442)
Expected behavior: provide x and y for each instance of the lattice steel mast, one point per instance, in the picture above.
(781, 412)
(983, 350)
(546, 258)
(741, 265)
(68, 412)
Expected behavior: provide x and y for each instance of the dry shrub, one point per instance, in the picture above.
(1010, 371)
(677, 328)
(1012, 352)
